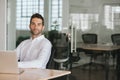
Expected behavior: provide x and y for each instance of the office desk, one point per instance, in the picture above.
(35, 74)
(106, 49)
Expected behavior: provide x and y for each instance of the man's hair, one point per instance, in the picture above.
(37, 15)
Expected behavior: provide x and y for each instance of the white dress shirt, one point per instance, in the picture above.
(34, 53)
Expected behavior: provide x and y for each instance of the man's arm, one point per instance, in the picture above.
(41, 61)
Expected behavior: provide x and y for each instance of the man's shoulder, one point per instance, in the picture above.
(46, 41)
(25, 41)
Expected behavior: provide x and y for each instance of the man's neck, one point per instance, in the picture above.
(35, 36)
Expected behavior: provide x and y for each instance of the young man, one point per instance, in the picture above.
(34, 52)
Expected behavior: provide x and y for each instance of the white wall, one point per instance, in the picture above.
(69, 6)
(7, 24)
(77, 6)
(46, 14)
(65, 13)
(11, 41)
(94, 6)
(2, 24)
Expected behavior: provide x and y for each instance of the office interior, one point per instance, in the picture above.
(85, 16)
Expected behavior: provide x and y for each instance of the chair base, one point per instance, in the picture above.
(61, 63)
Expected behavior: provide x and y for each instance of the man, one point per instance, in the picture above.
(34, 52)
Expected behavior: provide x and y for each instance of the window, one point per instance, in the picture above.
(25, 8)
(83, 21)
(56, 15)
(112, 15)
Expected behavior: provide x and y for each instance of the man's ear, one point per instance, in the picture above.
(43, 28)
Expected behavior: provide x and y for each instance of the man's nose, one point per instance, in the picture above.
(35, 25)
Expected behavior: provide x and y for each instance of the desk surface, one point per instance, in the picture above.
(100, 47)
(35, 74)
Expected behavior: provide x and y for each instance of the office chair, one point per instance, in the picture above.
(61, 55)
(90, 38)
(51, 64)
(116, 41)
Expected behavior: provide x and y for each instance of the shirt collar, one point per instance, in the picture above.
(39, 37)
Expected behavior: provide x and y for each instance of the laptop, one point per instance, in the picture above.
(9, 62)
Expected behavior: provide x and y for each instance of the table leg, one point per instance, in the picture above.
(118, 66)
(107, 54)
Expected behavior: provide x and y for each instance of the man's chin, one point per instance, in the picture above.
(36, 34)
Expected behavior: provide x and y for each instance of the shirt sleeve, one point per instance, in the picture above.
(42, 59)
(18, 50)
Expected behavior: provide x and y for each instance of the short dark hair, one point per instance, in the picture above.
(37, 15)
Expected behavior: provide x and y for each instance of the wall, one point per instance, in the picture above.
(69, 6)
(94, 6)
(46, 14)
(11, 28)
(2, 24)
(65, 14)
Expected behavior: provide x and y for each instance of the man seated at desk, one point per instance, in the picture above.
(34, 52)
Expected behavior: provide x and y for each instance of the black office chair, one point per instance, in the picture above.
(61, 55)
(90, 38)
(116, 41)
(51, 64)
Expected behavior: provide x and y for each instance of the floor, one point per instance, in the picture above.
(84, 73)
(97, 72)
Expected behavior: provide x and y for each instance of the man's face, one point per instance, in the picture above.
(36, 26)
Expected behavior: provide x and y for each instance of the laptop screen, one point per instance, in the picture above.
(8, 62)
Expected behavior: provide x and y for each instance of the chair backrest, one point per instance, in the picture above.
(89, 38)
(50, 64)
(61, 47)
(115, 38)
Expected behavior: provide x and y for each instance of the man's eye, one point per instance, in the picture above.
(32, 23)
(40, 24)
